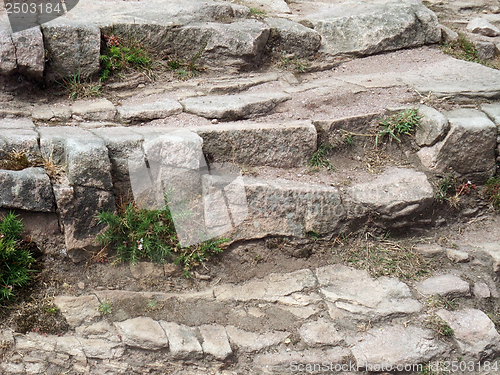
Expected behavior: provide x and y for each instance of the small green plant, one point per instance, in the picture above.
(51, 309)
(257, 13)
(313, 235)
(401, 123)
(15, 259)
(185, 70)
(105, 307)
(493, 191)
(122, 55)
(294, 63)
(151, 304)
(464, 49)
(191, 257)
(78, 86)
(444, 186)
(319, 159)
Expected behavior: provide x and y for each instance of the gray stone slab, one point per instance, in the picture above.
(481, 26)
(78, 310)
(278, 145)
(292, 38)
(20, 139)
(94, 110)
(102, 349)
(148, 108)
(320, 332)
(215, 341)
(8, 60)
(474, 333)
(432, 128)
(234, 107)
(252, 341)
(30, 52)
(182, 341)
(28, 189)
(444, 285)
(493, 112)
(493, 250)
(142, 332)
(17, 123)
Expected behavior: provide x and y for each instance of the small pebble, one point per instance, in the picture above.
(81, 285)
(215, 121)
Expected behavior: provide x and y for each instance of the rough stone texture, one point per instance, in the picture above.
(215, 341)
(429, 250)
(182, 341)
(70, 345)
(77, 310)
(142, 332)
(448, 35)
(101, 329)
(365, 28)
(148, 108)
(234, 107)
(493, 112)
(278, 145)
(8, 60)
(30, 52)
(365, 298)
(288, 208)
(94, 110)
(396, 345)
(102, 349)
(432, 128)
(457, 256)
(320, 332)
(444, 285)
(269, 288)
(485, 50)
(395, 193)
(459, 151)
(481, 290)
(326, 129)
(251, 341)
(28, 189)
(493, 250)
(292, 38)
(235, 46)
(72, 48)
(481, 26)
(474, 333)
(273, 6)
(18, 134)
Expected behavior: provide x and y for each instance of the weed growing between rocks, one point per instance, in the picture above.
(493, 191)
(401, 123)
(319, 158)
(464, 49)
(182, 69)
(79, 87)
(450, 191)
(17, 160)
(105, 308)
(294, 64)
(137, 233)
(15, 257)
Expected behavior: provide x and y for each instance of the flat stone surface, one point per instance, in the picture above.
(459, 151)
(142, 332)
(481, 290)
(493, 250)
(102, 329)
(234, 107)
(320, 332)
(395, 193)
(481, 26)
(77, 310)
(432, 128)
(292, 38)
(474, 333)
(278, 144)
(353, 293)
(94, 110)
(182, 341)
(102, 349)
(396, 345)
(69, 345)
(148, 108)
(28, 189)
(215, 341)
(429, 250)
(253, 342)
(493, 112)
(457, 256)
(269, 288)
(444, 285)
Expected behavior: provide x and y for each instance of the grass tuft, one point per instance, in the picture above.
(402, 123)
(493, 191)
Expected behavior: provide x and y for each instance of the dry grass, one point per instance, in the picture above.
(382, 257)
(18, 160)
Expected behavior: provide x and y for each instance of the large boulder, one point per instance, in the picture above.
(365, 27)
(292, 38)
(432, 128)
(468, 149)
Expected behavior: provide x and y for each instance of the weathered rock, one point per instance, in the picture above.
(292, 38)
(77, 310)
(148, 108)
(429, 250)
(182, 341)
(290, 209)
(444, 285)
(493, 112)
(320, 332)
(101, 329)
(28, 189)
(395, 345)
(485, 50)
(365, 298)
(457, 256)
(459, 151)
(215, 341)
(273, 6)
(253, 342)
(481, 290)
(18, 134)
(229, 47)
(481, 26)
(142, 332)
(30, 52)
(94, 110)
(432, 128)
(365, 28)
(70, 345)
(277, 145)
(73, 49)
(269, 288)
(395, 193)
(474, 333)
(355, 124)
(448, 35)
(8, 60)
(102, 349)
(234, 107)
(493, 250)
